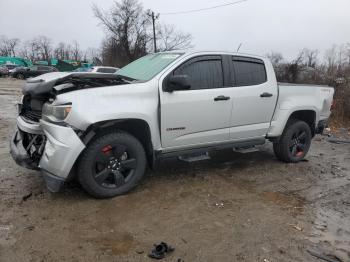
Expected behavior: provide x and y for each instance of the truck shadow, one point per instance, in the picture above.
(219, 160)
(222, 163)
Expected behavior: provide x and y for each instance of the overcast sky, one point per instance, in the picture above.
(285, 26)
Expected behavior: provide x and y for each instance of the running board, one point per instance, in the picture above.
(245, 150)
(201, 150)
(194, 157)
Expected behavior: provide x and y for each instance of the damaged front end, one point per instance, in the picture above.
(28, 142)
(40, 143)
(27, 149)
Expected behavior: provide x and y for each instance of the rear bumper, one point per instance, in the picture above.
(59, 150)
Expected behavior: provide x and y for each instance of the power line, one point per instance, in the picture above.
(203, 9)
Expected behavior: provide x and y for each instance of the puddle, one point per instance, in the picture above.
(294, 204)
(333, 230)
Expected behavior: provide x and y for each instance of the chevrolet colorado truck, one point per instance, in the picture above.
(104, 129)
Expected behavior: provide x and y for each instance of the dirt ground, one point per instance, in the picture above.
(234, 207)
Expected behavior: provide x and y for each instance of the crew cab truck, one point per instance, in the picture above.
(105, 128)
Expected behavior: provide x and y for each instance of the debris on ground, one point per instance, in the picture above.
(219, 205)
(338, 141)
(329, 258)
(30, 228)
(25, 197)
(160, 250)
(296, 227)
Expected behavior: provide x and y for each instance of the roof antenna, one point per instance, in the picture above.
(239, 47)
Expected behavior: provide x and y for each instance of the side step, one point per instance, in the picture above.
(194, 157)
(245, 150)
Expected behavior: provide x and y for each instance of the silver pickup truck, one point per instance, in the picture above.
(105, 128)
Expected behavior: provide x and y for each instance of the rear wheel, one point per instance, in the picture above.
(112, 165)
(294, 143)
(20, 76)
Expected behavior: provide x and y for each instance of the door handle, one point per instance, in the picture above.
(221, 98)
(265, 94)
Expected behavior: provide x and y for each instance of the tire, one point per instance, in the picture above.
(294, 142)
(20, 76)
(112, 165)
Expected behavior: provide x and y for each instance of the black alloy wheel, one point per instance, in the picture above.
(294, 143)
(112, 165)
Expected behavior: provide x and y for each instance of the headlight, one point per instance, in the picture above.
(56, 113)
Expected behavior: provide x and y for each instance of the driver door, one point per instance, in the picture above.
(200, 115)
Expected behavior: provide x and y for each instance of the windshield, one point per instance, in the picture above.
(145, 68)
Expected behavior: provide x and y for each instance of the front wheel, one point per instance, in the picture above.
(294, 143)
(112, 165)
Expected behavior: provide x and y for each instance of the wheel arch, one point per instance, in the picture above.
(139, 128)
(283, 117)
(307, 115)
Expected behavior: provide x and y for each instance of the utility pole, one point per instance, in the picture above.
(154, 17)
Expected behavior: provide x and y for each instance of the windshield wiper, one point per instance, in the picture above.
(126, 79)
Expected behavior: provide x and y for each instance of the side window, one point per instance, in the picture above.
(249, 71)
(204, 72)
(106, 70)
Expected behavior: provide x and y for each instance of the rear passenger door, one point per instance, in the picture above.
(254, 98)
(200, 115)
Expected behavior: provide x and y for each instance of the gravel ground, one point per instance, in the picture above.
(234, 207)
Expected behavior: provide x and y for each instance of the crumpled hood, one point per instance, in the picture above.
(44, 84)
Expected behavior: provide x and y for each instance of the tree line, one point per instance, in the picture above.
(129, 35)
(311, 66)
(41, 48)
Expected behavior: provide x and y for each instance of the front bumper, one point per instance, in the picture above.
(60, 150)
(19, 153)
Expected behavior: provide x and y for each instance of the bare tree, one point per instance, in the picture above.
(275, 57)
(293, 69)
(311, 56)
(92, 55)
(43, 47)
(331, 57)
(60, 52)
(30, 50)
(170, 39)
(76, 51)
(8, 46)
(126, 23)
(129, 33)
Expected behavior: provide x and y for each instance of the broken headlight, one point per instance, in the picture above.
(56, 113)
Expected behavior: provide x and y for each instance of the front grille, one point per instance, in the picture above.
(34, 144)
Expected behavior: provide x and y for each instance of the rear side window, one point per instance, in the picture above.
(43, 68)
(106, 70)
(204, 72)
(248, 71)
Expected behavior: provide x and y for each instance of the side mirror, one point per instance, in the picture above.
(177, 82)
